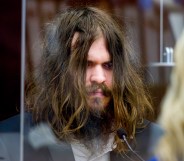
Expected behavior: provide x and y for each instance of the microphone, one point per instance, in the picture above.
(122, 135)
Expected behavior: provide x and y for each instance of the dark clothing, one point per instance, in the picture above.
(45, 148)
(154, 159)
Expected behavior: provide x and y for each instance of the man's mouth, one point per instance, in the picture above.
(97, 93)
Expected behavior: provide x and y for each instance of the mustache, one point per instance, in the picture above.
(95, 86)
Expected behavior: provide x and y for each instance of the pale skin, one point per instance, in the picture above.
(99, 70)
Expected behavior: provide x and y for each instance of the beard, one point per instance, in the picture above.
(99, 123)
(97, 127)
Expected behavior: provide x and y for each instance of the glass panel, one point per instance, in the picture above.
(142, 20)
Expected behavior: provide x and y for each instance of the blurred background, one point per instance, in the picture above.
(10, 57)
(153, 26)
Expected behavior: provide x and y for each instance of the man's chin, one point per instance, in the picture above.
(98, 104)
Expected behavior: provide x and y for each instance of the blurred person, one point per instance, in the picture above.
(171, 144)
(87, 87)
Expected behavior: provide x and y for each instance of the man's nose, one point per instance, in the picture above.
(98, 75)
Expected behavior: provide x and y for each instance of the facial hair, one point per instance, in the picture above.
(97, 103)
(98, 126)
(99, 121)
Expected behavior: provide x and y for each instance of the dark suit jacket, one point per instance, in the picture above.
(39, 150)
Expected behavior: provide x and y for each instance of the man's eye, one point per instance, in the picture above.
(89, 64)
(108, 66)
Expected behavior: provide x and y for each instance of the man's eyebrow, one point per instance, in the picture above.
(108, 61)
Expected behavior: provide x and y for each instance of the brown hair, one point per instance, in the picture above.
(58, 95)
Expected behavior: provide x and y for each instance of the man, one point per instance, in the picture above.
(87, 88)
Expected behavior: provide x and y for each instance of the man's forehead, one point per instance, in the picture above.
(98, 33)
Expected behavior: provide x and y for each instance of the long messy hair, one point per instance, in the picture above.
(58, 94)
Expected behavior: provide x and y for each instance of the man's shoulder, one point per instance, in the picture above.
(39, 141)
(150, 132)
(145, 141)
(149, 127)
(147, 138)
(12, 124)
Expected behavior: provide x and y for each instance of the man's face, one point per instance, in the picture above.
(99, 75)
